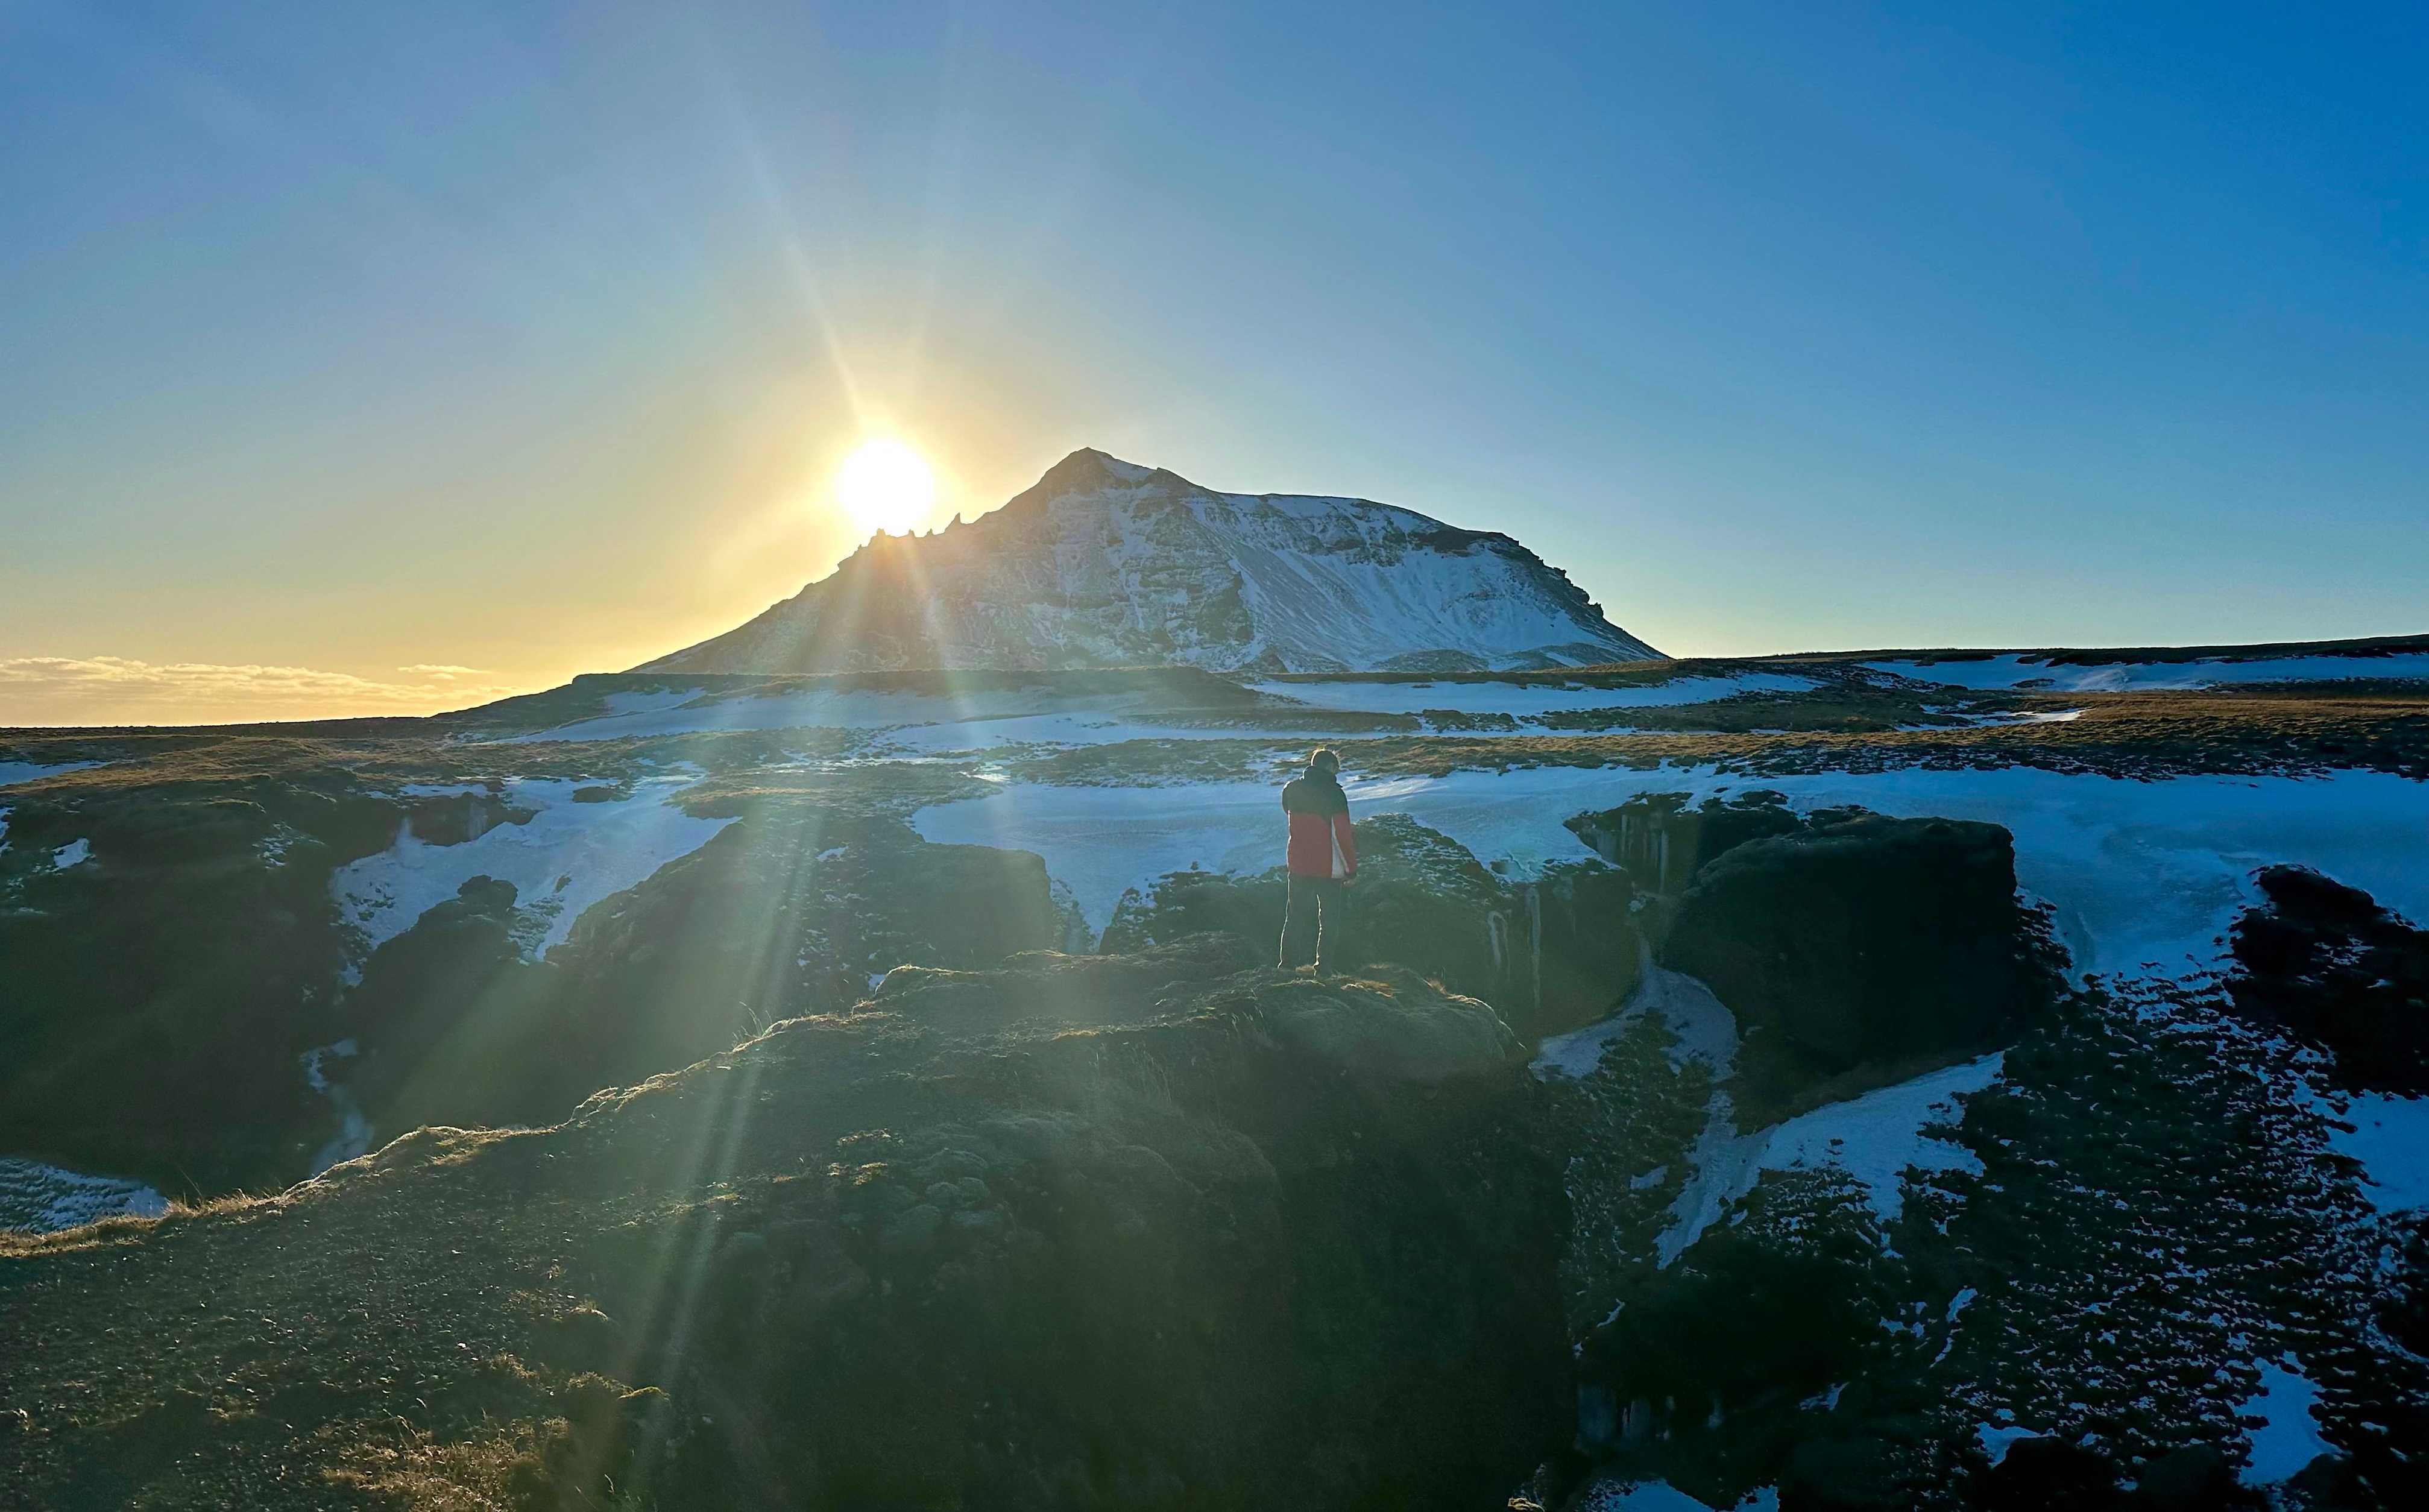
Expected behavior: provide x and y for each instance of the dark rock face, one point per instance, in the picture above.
(2325, 962)
(1661, 842)
(1074, 1234)
(2039, 1473)
(153, 999)
(2196, 1478)
(462, 1029)
(1865, 939)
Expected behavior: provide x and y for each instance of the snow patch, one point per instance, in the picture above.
(74, 853)
(2390, 1140)
(2015, 670)
(1875, 1138)
(12, 773)
(1706, 1030)
(1106, 843)
(566, 858)
(1525, 700)
(2288, 1437)
(1997, 1438)
(43, 1199)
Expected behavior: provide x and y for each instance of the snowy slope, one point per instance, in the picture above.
(1107, 564)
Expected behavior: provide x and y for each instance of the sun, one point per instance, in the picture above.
(885, 485)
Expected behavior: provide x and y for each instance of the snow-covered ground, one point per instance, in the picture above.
(2389, 1139)
(1996, 1438)
(2142, 874)
(1875, 1138)
(915, 723)
(1103, 842)
(1704, 1028)
(2013, 670)
(984, 717)
(567, 857)
(43, 1198)
(12, 773)
(2288, 1436)
(1524, 700)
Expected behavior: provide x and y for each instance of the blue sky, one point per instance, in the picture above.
(523, 340)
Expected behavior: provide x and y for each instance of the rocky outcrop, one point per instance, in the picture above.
(2326, 963)
(1661, 841)
(1071, 1234)
(1548, 955)
(1106, 563)
(1865, 939)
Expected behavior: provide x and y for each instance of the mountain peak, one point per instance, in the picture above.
(1108, 563)
(1089, 463)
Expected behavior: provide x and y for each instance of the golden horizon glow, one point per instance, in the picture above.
(885, 485)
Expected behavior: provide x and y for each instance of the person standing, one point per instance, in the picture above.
(1323, 862)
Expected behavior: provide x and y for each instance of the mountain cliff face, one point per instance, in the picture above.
(1106, 563)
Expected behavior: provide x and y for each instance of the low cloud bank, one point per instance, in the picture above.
(116, 690)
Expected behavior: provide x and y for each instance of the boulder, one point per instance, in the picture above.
(2324, 962)
(1865, 939)
(1549, 955)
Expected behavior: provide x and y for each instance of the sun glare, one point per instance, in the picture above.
(885, 485)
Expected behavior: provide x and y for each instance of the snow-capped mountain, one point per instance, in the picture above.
(1103, 563)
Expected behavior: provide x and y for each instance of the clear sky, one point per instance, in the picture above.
(369, 357)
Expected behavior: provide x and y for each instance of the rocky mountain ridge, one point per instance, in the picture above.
(1103, 563)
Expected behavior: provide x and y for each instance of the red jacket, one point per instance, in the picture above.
(1321, 841)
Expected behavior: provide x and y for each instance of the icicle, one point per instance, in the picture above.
(1636, 1423)
(1598, 1418)
(1535, 941)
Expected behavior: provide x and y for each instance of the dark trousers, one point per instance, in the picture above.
(1317, 906)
